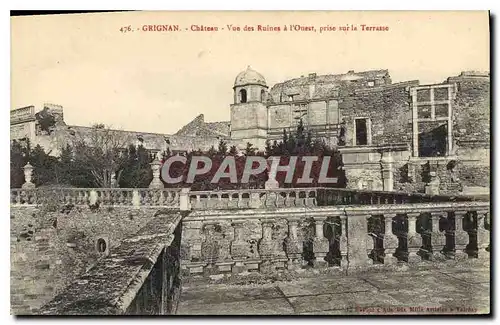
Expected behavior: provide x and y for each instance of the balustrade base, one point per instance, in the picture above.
(483, 254)
(437, 257)
(390, 259)
(320, 263)
(294, 263)
(193, 268)
(460, 254)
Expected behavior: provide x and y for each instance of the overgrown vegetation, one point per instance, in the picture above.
(101, 158)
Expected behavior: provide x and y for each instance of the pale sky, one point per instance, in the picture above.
(159, 81)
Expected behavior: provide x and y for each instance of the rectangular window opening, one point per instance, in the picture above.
(361, 132)
(433, 143)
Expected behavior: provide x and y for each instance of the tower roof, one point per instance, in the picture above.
(249, 77)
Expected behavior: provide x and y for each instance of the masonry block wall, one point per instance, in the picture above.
(203, 242)
(387, 107)
(472, 127)
(50, 247)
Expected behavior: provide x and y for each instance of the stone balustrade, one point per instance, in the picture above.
(97, 196)
(347, 238)
(253, 198)
(220, 200)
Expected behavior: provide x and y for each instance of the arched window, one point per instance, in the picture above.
(262, 95)
(243, 96)
(101, 245)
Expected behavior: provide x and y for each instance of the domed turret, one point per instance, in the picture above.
(249, 77)
(249, 111)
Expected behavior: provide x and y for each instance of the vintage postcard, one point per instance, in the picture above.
(250, 163)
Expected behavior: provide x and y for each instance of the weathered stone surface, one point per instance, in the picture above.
(455, 290)
(42, 236)
(110, 286)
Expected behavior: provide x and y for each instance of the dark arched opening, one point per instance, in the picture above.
(101, 245)
(243, 96)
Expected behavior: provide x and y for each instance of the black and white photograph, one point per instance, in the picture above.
(250, 163)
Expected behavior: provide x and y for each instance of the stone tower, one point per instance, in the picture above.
(249, 111)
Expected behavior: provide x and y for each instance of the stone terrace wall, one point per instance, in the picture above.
(139, 277)
(42, 261)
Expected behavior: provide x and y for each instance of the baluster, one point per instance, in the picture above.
(288, 200)
(438, 238)
(144, 197)
(461, 236)
(240, 249)
(293, 246)
(169, 197)
(321, 246)
(483, 236)
(239, 200)
(18, 197)
(414, 239)
(122, 199)
(155, 197)
(209, 201)
(343, 241)
(219, 203)
(266, 246)
(161, 198)
(78, 200)
(209, 247)
(391, 241)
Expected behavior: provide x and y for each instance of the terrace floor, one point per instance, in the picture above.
(443, 291)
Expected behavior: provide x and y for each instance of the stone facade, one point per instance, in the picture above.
(441, 128)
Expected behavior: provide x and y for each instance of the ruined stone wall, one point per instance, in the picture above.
(471, 109)
(388, 109)
(50, 246)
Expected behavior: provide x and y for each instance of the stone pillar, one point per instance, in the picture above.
(357, 228)
(239, 247)
(438, 238)
(432, 187)
(461, 236)
(136, 199)
(483, 236)
(321, 246)
(28, 173)
(343, 242)
(184, 202)
(266, 246)
(255, 201)
(391, 242)
(293, 246)
(414, 239)
(387, 170)
(191, 242)
(93, 197)
(209, 248)
(156, 182)
(272, 183)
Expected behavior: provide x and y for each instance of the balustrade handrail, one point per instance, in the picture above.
(295, 213)
(316, 196)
